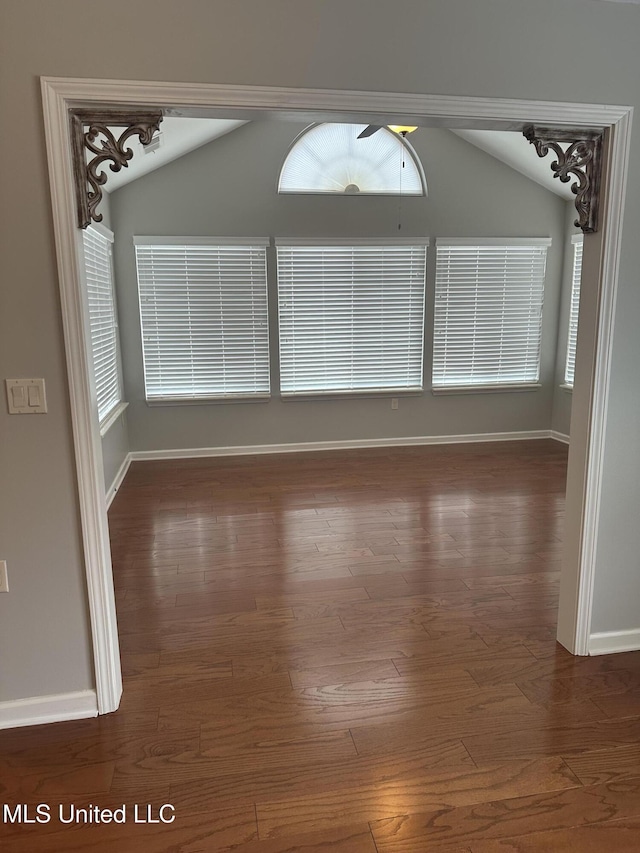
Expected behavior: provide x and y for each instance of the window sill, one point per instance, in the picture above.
(107, 422)
(310, 396)
(567, 388)
(486, 389)
(207, 401)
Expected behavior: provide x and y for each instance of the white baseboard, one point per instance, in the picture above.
(48, 709)
(558, 436)
(610, 642)
(117, 482)
(354, 444)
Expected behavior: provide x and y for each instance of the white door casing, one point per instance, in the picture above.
(590, 395)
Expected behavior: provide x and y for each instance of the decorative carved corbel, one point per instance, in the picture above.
(580, 159)
(100, 141)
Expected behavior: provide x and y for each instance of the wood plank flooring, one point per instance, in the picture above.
(351, 652)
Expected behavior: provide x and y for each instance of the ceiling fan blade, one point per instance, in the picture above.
(369, 131)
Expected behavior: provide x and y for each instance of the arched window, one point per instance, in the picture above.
(329, 158)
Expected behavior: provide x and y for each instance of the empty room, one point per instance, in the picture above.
(342, 556)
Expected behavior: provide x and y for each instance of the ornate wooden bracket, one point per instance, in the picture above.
(100, 141)
(581, 159)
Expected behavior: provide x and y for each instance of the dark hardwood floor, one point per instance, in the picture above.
(350, 652)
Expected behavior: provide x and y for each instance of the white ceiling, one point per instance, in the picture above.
(179, 136)
(512, 148)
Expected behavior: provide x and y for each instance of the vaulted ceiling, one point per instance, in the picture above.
(179, 136)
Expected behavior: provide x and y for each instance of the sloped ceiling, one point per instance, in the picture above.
(179, 136)
(512, 148)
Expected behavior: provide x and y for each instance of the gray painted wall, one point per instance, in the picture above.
(486, 48)
(228, 188)
(104, 210)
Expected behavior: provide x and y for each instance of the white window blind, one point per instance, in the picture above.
(102, 318)
(570, 367)
(203, 310)
(488, 312)
(351, 316)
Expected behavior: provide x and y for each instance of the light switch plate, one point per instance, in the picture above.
(26, 396)
(4, 580)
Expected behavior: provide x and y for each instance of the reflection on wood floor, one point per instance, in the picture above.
(350, 652)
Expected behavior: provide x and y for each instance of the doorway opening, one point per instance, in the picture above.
(245, 104)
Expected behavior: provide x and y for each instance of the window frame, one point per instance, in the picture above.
(508, 385)
(404, 145)
(118, 405)
(214, 242)
(345, 244)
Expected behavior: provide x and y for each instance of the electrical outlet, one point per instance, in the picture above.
(4, 580)
(394, 403)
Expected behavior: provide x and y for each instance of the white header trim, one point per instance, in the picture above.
(493, 241)
(102, 230)
(330, 242)
(332, 104)
(144, 240)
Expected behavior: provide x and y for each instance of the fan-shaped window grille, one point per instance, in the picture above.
(329, 158)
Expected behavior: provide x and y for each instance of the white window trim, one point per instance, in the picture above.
(486, 389)
(112, 417)
(207, 401)
(365, 394)
(203, 399)
(489, 387)
(335, 393)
